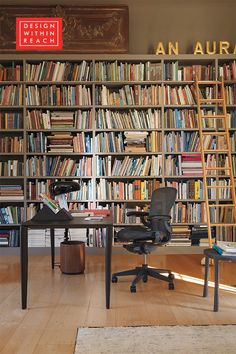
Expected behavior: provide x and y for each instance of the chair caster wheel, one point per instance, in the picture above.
(114, 279)
(145, 278)
(171, 276)
(171, 286)
(133, 289)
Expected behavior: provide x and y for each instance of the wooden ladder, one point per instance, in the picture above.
(222, 148)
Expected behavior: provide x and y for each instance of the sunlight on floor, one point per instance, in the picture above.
(189, 279)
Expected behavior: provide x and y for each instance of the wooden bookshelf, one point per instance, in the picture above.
(119, 124)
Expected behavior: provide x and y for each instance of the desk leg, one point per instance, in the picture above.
(24, 265)
(216, 291)
(205, 289)
(52, 237)
(108, 251)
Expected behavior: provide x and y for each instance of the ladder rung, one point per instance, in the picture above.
(223, 224)
(209, 82)
(216, 150)
(214, 133)
(221, 205)
(213, 116)
(220, 186)
(215, 100)
(217, 168)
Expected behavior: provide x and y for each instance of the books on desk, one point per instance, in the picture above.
(225, 248)
(52, 204)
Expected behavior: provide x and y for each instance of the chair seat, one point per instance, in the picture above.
(137, 233)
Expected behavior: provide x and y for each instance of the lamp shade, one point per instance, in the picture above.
(62, 187)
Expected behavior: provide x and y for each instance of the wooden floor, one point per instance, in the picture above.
(58, 304)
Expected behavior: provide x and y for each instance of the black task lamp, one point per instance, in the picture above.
(60, 188)
(56, 189)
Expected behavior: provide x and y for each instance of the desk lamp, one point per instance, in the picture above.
(61, 188)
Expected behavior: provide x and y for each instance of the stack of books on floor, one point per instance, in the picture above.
(225, 248)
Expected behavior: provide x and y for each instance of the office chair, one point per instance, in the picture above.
(143, 240)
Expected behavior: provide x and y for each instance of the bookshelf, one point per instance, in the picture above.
(121, 125)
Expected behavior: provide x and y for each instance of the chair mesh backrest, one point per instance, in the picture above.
(162, 201)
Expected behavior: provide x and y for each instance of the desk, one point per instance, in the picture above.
(76, 222)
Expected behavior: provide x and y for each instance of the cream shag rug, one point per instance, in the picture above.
(157, 339)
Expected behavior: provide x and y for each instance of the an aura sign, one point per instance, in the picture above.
(38, 33)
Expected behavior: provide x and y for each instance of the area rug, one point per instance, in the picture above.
(157, 339)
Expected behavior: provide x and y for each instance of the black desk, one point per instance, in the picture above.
(77, 222)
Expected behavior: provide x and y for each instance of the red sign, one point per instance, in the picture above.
(38, 33)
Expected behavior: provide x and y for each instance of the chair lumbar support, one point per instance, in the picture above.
(144, 239)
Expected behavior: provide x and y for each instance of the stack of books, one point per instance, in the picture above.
(225, 248)
(191, 164)
(135, 141)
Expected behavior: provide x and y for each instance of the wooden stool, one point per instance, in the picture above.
(211, 253)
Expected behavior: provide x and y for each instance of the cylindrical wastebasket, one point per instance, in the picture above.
(72, 257)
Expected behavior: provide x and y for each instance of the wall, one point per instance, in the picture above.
(167, 20)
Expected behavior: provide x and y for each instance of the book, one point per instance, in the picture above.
(227, 246)
(222, 252)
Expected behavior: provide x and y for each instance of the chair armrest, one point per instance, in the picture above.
(137, 213)
(160, 217)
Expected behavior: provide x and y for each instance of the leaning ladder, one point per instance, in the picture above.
(212, 93)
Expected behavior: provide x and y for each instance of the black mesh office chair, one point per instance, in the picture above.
(143, 240)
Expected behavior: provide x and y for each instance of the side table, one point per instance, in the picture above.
(211, 253)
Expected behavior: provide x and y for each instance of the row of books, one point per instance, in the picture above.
(129, 166)
(128, 95)
(58, 71)
(78, 119)
(174, 71)
(119, 71)
(187, 118)
(11, 168)
(11, 215)
(115, 71)
(193, 189)
(9, 237)
(107, 119)
(135, 190)
(228, 71)
(13, 72)
(11, 144)
(188, 213)
(230, 94)
(179, 95)
(177, 165)
(120, 214)
(52, 95)
(131, 119)
(58, 166)
(59, 142)
(11, 95)
(11, 120)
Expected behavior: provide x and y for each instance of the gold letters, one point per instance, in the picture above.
(198, 49)
(209, 48)
(173, 48)
(224, 46)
